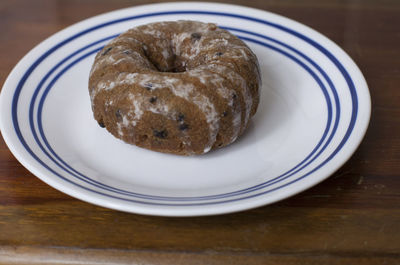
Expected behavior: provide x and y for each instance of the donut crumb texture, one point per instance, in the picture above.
(180, 87)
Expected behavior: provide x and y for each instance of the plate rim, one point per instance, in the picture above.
(20, 157)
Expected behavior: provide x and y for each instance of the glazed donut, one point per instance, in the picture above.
(181, 87)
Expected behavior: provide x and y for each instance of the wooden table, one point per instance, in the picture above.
(351, 218)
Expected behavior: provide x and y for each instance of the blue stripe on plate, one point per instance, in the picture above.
(313, 43)
(86, 179)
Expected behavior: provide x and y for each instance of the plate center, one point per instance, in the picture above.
(289, 123)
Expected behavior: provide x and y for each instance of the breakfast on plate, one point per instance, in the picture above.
(181, 87)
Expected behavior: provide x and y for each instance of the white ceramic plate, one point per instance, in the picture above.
(314, 111)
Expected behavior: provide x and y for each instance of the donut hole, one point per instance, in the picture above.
(178, 69)
(172, 64)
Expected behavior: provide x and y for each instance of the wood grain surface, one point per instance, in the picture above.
(351, 218)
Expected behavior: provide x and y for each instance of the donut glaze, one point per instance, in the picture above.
(181, 87)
